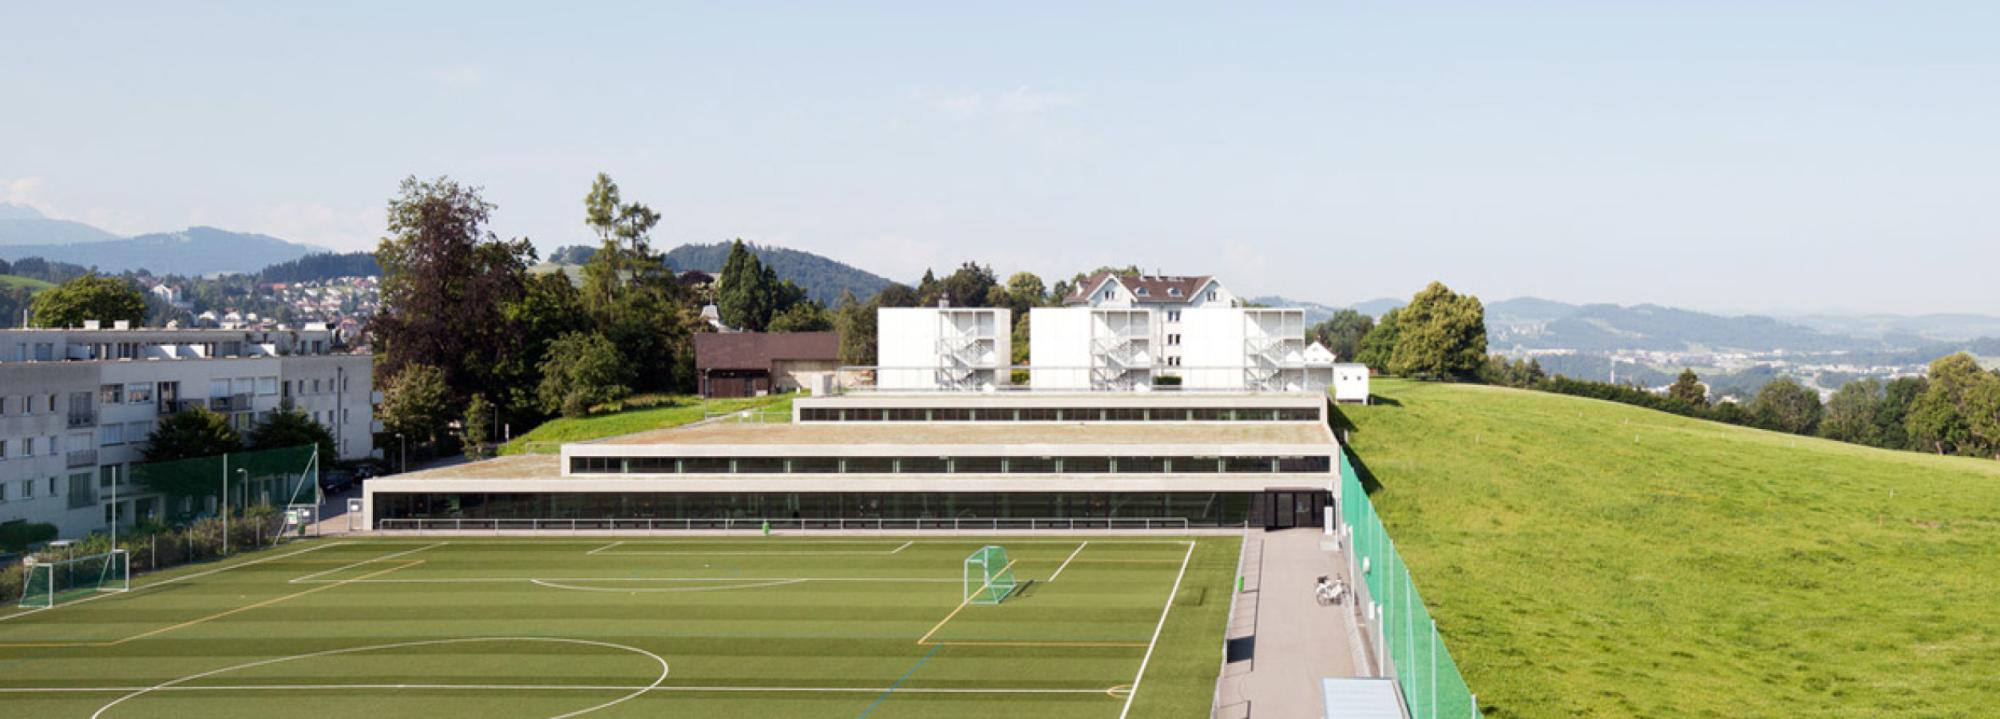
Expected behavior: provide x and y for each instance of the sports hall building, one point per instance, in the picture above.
(1031, 460)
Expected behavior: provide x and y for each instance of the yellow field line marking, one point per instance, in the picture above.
(1066, 561)
(211, 617)
(961, 605)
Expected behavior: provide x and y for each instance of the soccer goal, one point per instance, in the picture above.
(50, 582)
(989, 577)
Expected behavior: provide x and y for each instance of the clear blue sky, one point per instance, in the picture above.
(1719, 155)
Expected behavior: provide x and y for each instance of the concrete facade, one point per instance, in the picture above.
(68, 426)
(943, 348)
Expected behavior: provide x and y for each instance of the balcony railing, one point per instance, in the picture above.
(81, 458)
(82, 419)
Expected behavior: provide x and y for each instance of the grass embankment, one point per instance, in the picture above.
(670, 412)
(1585, 558)
(32, 284)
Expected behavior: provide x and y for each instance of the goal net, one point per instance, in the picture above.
(49, 583)
(989, 576)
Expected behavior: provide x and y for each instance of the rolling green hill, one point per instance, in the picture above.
(1585, 558)
(29, 283)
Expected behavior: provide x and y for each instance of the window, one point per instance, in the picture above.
(1174, 361)
(1173, 340)
(138, 431)
(55, 444)
(3, 406)
(111, 435)
(1173, 315)
(3, 449)
(1174, 291)
(28, 447)
(3, 492)
(218, 388)
(139, 393)
(52, 486)
(1211, 295)
(267, 385)
(81, 494)
(106, 475)
(27, 489)
(111, 394)
(315, 385)
(1143, 292)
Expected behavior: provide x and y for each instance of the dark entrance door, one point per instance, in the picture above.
(1288, 508)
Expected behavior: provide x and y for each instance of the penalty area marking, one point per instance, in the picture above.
(307, 579)
(172, 683)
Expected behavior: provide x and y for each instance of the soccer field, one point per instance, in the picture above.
(1101, 627)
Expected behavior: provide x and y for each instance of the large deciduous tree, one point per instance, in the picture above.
(1380, 343)
(445, 282)
(417, 403)
(1342, 333)
(194, 432)
(90, 297)
(292, 428)
(1851, 413)
(1940, 419)
(582, 370)
(1786, 406)
(1688, 390)
(1441, 334)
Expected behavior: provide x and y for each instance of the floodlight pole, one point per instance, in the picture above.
(114, 507)
(222, 504)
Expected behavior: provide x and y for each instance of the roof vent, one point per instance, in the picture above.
(92, 324)
(122, 325)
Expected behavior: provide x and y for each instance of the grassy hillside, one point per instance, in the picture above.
(32, 284)
(1585, 558)
(674, 412)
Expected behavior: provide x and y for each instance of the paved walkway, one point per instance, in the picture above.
(1282, 641)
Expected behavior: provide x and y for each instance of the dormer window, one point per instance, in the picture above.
(1174, 291)
(1143, 292)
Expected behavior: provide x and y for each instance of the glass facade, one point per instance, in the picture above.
(1059, 414)
(605, 509)
(1302, 464)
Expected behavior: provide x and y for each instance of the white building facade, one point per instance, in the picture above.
(76, 407)
(943, 348)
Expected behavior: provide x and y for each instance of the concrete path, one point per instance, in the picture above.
(1281, 640)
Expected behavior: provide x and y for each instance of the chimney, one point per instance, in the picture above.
(92, 324)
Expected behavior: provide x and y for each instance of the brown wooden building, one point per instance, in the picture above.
(747, 364)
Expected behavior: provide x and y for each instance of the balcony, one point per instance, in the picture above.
(82, 419)
(231, 403)
(81, 458)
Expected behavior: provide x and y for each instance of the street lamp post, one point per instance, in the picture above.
(404, 455)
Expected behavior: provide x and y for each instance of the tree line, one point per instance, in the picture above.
(1954, 409)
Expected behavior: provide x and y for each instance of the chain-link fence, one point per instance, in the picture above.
(1432, 685)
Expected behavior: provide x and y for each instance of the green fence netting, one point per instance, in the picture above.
(270, 477)
(1431, 683)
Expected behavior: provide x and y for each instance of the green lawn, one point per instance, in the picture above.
(28, 282)
(693, 627)
(1589, 559)
(677, 411)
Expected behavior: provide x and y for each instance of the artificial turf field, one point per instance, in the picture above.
(606, 627)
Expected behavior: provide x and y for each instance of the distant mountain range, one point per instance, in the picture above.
(823, 278)
(1317, 312)
(25, 232)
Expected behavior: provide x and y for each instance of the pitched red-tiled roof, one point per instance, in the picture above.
(1158, 288)
(756, 350)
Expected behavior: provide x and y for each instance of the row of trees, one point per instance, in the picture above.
(1953, 410)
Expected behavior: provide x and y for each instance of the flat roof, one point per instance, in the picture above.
(518, 466)
(1066, 398)
(984, 433)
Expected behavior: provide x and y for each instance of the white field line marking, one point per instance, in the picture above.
(1156, 633)
(607, 546)
(307, 579)
(543, 687)
(635, 590)
(517, 580)
(171, 683)
(181, 578)
(906, 545)
(971, 539)
(1065, 564)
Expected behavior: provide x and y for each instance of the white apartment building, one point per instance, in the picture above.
(1091, 348)
(943, 348)
(77, 405)
(1169, 297)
